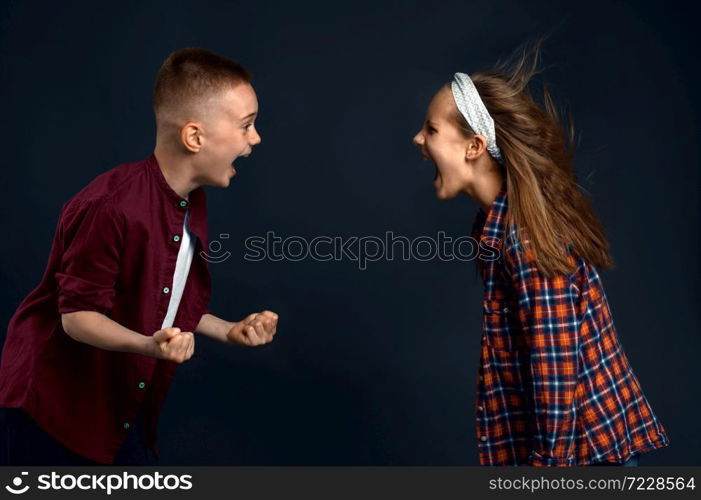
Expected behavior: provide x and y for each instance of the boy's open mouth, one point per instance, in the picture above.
(233, 167)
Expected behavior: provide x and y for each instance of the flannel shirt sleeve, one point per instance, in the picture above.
(548, 316)
(92, 236)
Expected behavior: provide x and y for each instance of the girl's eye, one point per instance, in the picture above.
(431, 130)
(246, 127)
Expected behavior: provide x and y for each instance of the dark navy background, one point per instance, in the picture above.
(376, 366)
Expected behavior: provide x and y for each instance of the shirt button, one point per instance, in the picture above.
(483, 438)
(480, 408)
(176, 238)
(506, 309)
(141, 385)
(183, 203)
(166, 289)
(126, 425)
(481, 378)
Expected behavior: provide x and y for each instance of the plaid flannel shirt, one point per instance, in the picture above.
(555, 387)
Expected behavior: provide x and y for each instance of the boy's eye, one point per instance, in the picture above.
(431, 130)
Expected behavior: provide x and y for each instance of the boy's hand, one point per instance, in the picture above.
(172, 344)
(254, 329)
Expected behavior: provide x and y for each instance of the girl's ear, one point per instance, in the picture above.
(476, 145)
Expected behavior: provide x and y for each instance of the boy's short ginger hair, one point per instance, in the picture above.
(188, 77)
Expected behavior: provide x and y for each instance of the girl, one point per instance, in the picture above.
(555, 386)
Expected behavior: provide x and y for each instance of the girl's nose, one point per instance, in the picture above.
(418, 139)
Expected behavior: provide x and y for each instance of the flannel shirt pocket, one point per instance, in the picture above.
(501, 325)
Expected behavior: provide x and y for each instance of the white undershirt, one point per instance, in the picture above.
(182, 268)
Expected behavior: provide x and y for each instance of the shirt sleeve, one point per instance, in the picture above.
(92, 237)
(547, 314)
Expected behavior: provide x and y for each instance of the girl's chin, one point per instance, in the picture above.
(443, 193)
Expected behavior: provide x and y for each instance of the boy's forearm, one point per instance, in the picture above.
(214, 327)
(96, 329)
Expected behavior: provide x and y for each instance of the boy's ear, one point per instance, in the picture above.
(191, 136)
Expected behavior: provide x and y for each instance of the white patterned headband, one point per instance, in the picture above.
(475, 112)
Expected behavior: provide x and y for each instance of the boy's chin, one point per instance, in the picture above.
(221, 182)
(226, 181)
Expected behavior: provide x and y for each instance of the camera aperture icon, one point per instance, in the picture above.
(215, 247)
(16, 488)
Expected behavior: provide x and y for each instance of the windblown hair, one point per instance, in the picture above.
(545, 204)
(190, 76)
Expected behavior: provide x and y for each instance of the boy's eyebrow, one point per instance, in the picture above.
(249, 116)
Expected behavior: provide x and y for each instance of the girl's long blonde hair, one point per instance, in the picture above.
(545, 204)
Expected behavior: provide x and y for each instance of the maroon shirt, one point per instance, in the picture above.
(114, 251)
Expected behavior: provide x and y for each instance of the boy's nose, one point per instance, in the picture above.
(256, 139)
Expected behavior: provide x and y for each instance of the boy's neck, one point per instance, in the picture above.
(176, 174)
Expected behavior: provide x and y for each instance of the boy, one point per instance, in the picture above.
(91, 352)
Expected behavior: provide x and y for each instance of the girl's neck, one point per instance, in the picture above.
(484, 189)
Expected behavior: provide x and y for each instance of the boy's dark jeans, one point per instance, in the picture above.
(29, 444)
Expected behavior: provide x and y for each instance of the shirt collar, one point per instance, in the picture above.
(195, 201)
(491, 225)
(155, 170)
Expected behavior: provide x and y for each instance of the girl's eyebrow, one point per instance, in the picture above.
(249, 116)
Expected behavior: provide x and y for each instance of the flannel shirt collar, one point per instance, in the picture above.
(490, 227)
